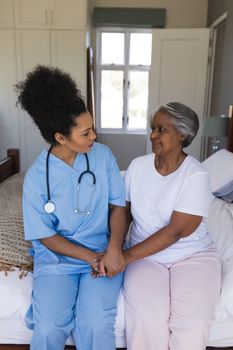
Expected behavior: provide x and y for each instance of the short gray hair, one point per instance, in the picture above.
(184, 118)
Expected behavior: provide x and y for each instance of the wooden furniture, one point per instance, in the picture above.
(10, 164)
(26, 347)
(230, 136)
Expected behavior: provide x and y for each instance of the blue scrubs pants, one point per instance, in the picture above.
(77, 304)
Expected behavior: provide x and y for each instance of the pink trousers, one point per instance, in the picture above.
(171, 307)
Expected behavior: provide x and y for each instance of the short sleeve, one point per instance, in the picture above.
(127, 179)
(195, 197)
(37, 223)
(116, 184)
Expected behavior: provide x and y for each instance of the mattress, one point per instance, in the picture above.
(15, 295)
(15, 299)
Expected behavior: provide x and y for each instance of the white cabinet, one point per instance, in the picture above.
(56, 14)
(32, 32)
(68, 51)
(63, 49)
(6, 14)
(31, 13)
(69, 14)
(9, 135)
(32, 48)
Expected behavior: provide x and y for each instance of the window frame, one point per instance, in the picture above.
(126, 68)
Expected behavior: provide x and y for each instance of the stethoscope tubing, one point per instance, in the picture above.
(88, 171)
(47, 174)
(49, 206)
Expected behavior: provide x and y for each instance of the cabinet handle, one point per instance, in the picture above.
(46, 17)
(52, 17)
(230, 111)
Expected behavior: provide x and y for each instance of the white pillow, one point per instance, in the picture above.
(220, 227)
(220, 168)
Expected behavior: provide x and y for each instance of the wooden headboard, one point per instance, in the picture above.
(10, 164)
(230, 136)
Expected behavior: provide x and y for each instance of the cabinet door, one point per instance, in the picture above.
(9, 135)
(32, 49)
(68, 52)
(68, 14)
(178, 72)
(32, 14)
(6, 14)
(57, 14)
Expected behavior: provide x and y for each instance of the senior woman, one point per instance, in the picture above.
(172, 282)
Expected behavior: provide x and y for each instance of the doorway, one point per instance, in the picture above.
(217, 37)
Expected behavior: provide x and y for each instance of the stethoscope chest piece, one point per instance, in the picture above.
(49, 207)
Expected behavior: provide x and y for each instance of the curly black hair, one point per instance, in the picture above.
(51, 97)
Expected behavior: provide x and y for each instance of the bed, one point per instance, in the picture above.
(16, 275)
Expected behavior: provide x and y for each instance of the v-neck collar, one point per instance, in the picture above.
(55, 161)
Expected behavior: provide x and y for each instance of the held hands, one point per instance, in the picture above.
(108, 264)
(95, 262)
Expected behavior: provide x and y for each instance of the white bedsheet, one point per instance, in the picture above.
(15, 299)
(15, 295)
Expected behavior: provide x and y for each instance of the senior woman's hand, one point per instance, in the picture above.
(112, 263)
(128, 257)
(109, 264)
(181, 225)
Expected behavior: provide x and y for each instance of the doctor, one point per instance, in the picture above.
(73, 206)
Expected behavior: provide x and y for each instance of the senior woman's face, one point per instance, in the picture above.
(165, 139)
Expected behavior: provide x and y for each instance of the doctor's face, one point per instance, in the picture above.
(165, 138)
(82, 136)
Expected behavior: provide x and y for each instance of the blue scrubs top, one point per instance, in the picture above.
(89, 231)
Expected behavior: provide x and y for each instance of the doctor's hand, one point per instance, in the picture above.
(94, 261)
(112, 263)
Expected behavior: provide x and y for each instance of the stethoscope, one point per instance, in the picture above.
(50, 207)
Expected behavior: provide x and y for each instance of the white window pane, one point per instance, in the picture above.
(138, 100)
(111, 99)
(140, 48)
(112, 48)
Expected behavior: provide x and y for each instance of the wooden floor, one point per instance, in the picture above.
(26, 347)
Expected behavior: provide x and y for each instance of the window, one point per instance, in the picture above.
(123, 65)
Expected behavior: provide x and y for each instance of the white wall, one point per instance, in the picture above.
(180, 13)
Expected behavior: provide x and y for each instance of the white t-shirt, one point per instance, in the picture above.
(154, 197)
